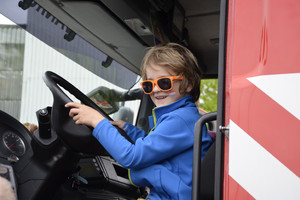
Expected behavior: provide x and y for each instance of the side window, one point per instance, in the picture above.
(208, 95)
(208, 100)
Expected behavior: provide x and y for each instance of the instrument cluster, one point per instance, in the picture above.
(12, 144)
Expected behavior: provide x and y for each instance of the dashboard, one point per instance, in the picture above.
(12, 143)
(26, 160)
(14, 139)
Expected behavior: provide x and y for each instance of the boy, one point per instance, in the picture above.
(163, 159)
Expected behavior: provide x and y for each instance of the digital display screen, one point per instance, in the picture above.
(178, 18)
(88, 170)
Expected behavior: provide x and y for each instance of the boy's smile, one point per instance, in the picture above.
(159, 97)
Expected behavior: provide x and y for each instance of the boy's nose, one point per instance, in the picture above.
(156, 89)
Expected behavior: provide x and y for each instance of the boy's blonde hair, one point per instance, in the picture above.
(178, 59)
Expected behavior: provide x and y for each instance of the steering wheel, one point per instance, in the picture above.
(78, 138)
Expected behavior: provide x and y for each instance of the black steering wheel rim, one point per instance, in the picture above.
(52, 80)
(78, 137)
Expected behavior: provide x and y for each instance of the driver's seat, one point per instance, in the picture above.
(207, 177)
(203, 171)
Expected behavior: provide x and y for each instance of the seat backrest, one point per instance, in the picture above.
(203, 171)
(207, 177)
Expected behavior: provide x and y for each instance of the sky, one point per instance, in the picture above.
(4, 20)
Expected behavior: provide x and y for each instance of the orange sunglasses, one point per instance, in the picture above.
(164, 84)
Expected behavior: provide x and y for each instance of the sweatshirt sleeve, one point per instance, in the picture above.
(172, 136)
(133, 132)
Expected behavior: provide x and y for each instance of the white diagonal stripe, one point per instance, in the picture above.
(282, 88)
(258, 171)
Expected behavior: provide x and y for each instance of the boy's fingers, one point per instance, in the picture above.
(69, 104)
(72, 104)
(75, 118)
(73, 112)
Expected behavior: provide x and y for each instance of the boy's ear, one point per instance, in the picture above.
(189, 88)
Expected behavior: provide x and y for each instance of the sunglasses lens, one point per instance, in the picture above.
(164, 83)
(147, 86)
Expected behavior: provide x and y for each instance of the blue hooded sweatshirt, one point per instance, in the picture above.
(162, 159)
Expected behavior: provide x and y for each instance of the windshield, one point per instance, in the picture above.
(24, 59)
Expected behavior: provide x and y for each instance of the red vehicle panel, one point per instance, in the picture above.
(262, 100)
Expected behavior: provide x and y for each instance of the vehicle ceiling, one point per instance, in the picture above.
(123, 28)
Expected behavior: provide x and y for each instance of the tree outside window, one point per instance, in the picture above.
(208, 95)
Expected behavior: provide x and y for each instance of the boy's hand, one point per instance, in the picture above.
(118, 123)
(84, 115)
(30, 127)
